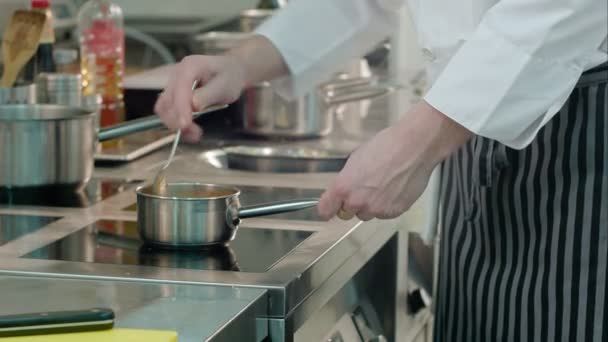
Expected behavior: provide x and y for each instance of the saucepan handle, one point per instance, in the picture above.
(345, 83)
(352, 95)
(276, 207)
(142, 124)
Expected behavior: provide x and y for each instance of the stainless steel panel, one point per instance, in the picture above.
(254, 250)
(14, 226)
(372, 290)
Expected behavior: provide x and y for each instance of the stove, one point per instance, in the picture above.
(13, 227)
(251, 195)
(96, 191)
(117, 242)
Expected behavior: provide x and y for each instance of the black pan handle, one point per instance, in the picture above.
(143, 124)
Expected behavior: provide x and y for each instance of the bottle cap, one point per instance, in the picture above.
(41, 4)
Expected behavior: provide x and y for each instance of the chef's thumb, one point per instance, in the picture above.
(329, 204)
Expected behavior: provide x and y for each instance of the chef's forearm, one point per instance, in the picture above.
(262, 61)
(437, 135)
(317, 37)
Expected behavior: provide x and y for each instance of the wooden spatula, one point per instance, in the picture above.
(19, 43)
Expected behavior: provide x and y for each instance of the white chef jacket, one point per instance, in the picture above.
(500, 68)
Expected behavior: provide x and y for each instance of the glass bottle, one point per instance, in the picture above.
(102, 56)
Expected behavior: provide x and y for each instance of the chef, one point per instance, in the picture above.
(517, 115)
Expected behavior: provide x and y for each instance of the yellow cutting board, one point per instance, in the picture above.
(112, 335)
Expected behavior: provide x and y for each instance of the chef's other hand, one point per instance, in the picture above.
(385, 176)
(221, 80)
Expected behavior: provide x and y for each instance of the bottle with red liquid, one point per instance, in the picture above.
(102, 56)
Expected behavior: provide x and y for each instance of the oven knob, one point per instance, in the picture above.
(418, 300)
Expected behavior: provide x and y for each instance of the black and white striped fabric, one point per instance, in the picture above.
(524, 234)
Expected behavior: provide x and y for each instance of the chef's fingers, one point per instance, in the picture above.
(189, 69)
(164, 107)
(357, 203)
(365, 216)
(192, 133)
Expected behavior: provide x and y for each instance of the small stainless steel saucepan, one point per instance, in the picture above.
(195, 215)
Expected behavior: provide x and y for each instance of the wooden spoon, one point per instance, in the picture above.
(19, 43)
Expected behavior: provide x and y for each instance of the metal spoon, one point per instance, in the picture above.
(160, 181)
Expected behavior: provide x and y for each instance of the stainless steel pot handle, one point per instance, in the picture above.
(362, 93)
(276, 207)
(339, 84)
(143, 124)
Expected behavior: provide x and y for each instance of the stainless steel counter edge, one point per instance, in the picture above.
(196, 313)
(289, 281)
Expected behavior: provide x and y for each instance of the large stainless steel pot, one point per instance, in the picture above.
(54, 145)
(193, 214)
(267, 114)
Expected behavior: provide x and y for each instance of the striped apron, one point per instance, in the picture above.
(524, 233)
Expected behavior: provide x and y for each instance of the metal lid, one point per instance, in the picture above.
(13, 113)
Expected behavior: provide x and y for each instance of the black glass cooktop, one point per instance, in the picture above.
(96, 190)
(251, 195)
(117, 242)
(15, 226)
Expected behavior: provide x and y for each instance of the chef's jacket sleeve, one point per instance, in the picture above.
(518, 68)
(315, 37)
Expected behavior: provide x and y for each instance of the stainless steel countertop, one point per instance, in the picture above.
(290, 281)
(196, 313)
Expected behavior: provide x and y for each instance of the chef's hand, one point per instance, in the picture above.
(221, 80)
(385, 176)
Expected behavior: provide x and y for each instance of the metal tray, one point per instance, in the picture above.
(279, 159)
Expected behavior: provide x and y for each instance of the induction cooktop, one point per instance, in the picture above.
(96, 190)
(117, 242)
(251, 195)
(15, 226)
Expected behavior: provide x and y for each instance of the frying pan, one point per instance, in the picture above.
(191, 215)
(52, 145)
